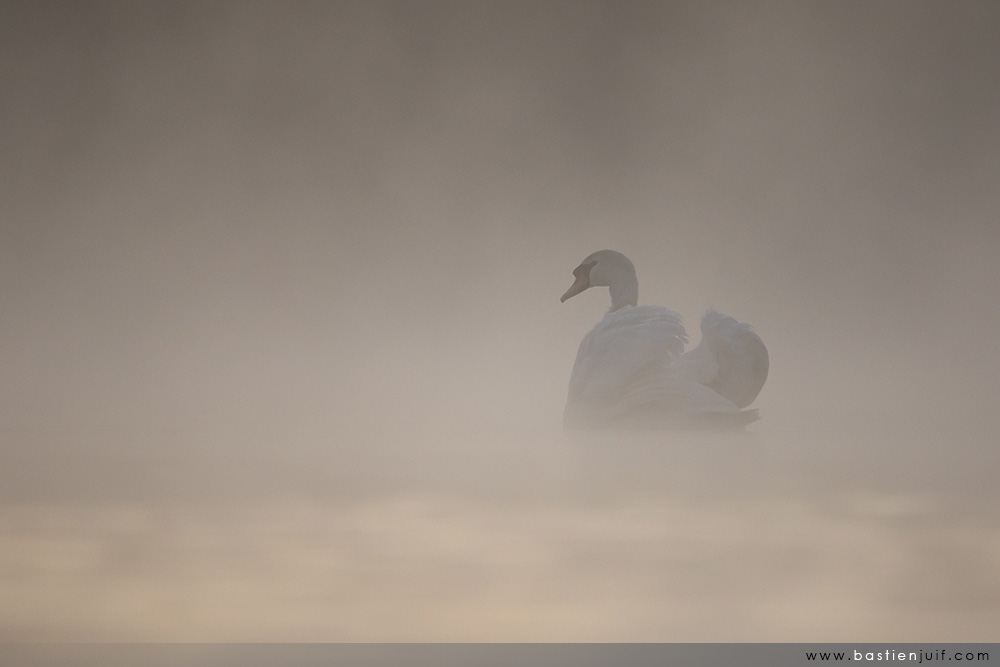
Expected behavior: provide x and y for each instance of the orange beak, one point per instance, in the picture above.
(581, 283)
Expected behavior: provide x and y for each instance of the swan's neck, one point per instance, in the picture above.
(624, 292)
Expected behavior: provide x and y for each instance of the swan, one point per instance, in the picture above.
(631, 371)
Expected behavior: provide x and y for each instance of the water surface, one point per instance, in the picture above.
(801, 533)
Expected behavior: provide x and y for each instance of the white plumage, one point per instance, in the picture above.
(631, 370)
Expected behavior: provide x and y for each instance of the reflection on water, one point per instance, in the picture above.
(471, 536)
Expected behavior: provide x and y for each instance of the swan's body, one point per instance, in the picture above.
(631, 370)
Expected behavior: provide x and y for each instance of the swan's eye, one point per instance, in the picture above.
(584, 269)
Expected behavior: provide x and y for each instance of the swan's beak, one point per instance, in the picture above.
(581, 283)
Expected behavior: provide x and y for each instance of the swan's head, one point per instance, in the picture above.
(606, 268)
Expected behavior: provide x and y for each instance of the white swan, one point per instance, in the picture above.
(631, 370)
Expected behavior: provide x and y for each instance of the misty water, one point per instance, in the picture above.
(284, 359)
(784, 533)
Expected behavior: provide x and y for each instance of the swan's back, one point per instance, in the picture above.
(630, 372)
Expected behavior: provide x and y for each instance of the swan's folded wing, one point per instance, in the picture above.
(620, 347)
(670, 399)
(738, 355)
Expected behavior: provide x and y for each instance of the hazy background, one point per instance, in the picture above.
(283, 356)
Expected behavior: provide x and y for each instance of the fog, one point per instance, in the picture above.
(283, 354)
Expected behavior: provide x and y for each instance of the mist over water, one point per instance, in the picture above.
(283, 354)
